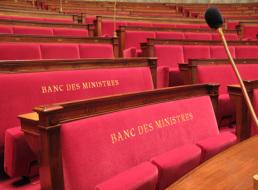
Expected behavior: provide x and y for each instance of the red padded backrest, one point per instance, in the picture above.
(169, 55)
(112, 143)
(219, 52)
(229, 36)
(198, 36)
(96, 51)
(24, 91)
(32, 30)
(224, 74)
(134, 38)
(164, 25)
(187, 26)
(6, 30)
(231, 25)
(108, 27)
(254, 129)
(170, 35)
(196, 52)
(57, 20)
(59, 51)
(249, 32)
(246, 51)
(146, 24)
(70, 32)
(19, 51)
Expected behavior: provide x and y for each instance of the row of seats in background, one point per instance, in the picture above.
(54, 87)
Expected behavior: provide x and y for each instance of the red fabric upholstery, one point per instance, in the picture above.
(219, 52)
(146, 24)
(216, 144)
(32, 30)
(17, 151)
(175, 163)
(142, 177)
(19, 51)
(96, 51)
(216, 74)
(226, 110)
(108, 27)
(170, 35)
(6, 30)
(169, 56)
(232, 25)
(58, 20)
(134, 38)
(153, 129)
(59, 51)
(249, 32)
(228, 36)
(196, 52)
(70, 32)
(59, 89)
(246, 51)
(187, 26)
(164, 25)
(198, 36)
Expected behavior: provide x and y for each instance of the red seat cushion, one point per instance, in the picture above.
(17, 151)
(33, 30)
(175, 163)
(216, 144)
(249, 31)
(19, 51)
(143, 176)
(60, 51)
(70, 32)
(96, 51)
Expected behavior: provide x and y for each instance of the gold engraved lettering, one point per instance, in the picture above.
(145, 128)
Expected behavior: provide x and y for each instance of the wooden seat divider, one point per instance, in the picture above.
(244, 125)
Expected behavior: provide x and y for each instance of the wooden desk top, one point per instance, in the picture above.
(232, 169)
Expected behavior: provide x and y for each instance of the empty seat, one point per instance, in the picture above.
(6, 29)
(196, 52)
(219, 52)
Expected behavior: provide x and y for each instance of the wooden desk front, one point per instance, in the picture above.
(232, 169)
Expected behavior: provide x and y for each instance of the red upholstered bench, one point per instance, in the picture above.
(221, 72)
(146, 141)
(29, 51)
(57, 86)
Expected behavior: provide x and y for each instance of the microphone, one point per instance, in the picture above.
(214, 19)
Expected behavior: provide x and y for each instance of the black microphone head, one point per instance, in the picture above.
(213, 18)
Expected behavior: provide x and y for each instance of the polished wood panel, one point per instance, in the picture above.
(232, 169)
